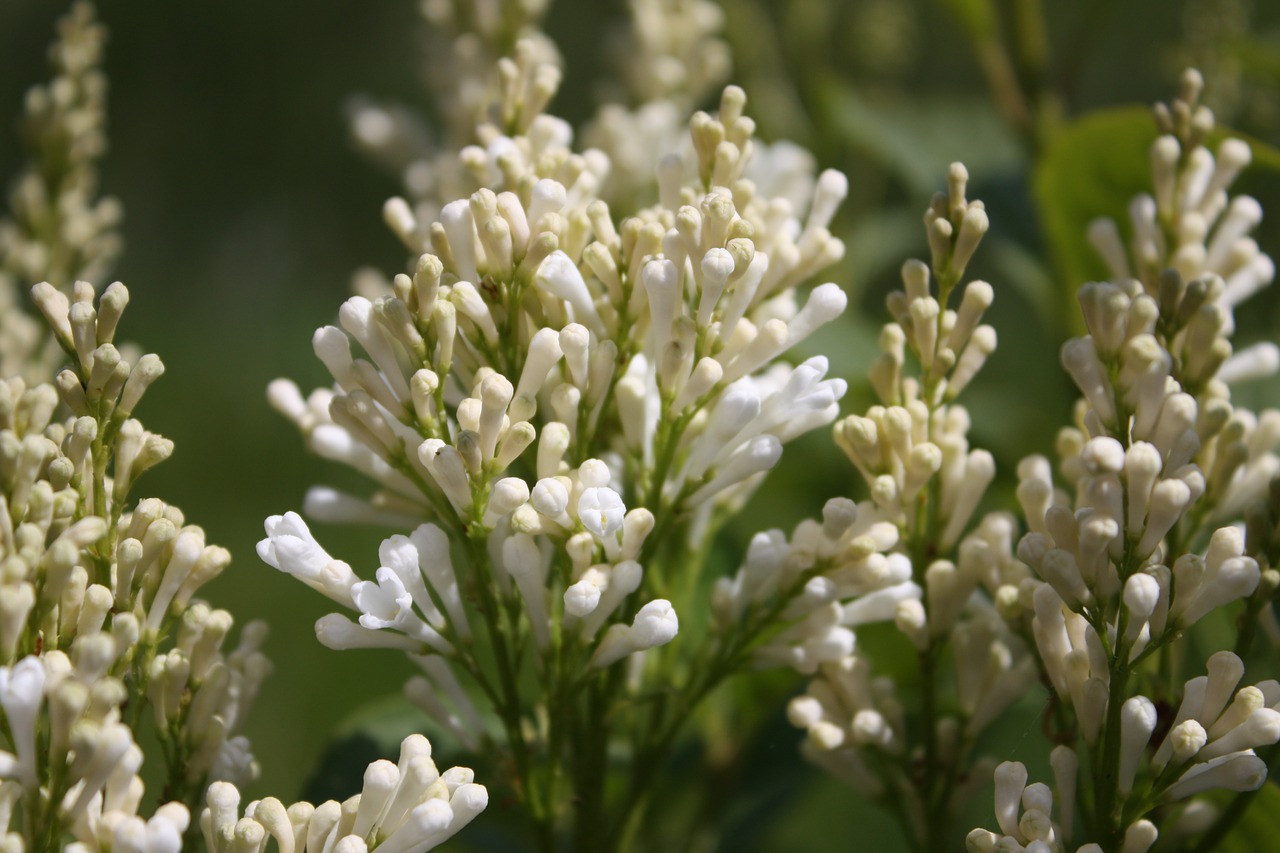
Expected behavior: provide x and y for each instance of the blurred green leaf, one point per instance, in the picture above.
(878, 244)
(1092, 168)
(1258, 56)
(1024, 272)
(1260, 821)
(825, 815)
(372, 731)
(918, 139)
(386, 720)
(978, 17)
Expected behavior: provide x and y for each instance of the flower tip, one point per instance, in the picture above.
(656, 624)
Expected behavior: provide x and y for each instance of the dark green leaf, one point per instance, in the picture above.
(1259, 56)
(1092, 168)
(877, 245)
(373, 731)
(918, 139)
(978, 17)
(1259, 828)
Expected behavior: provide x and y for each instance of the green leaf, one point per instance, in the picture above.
(876, 245)
(386, 720)
(1092, 168)
(1022, 270)
(978, 17)
(372, 731)
(1260, 824)
(1259, 57)
(918, 139)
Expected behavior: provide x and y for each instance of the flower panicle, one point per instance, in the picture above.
(560, 402)
(406, 805)
(1134, 538)
(912, 553)
(98, 596)
(59, 229)
(90, 751)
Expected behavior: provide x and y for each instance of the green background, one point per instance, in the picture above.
(247, 209)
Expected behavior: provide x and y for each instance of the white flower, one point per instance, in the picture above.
(120, 829)
(560, 277)
(99, 750)
(583, 596)
(410, 805)
(655, 625)
(292, 549)
(21, 695)
(235, 761)
(550, 497)
(880, 605)
(1236, 771)
(601, 511)
(432, 545)
(337, 632)
(400, 555)
(1137, 722)
(384, 604)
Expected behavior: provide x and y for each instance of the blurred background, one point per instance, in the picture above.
(247, 208)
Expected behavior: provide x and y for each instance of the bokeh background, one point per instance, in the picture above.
(248, 208)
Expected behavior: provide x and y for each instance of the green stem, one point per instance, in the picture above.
(1031, 53)
(508, 700)
(1249, 623)
(591, 829)
(1107, 769)
(724, 658)
(929, 710)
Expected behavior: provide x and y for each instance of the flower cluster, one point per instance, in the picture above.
(1210, 745)
(98, 616)
(90, 750)
(57, 230)
(579, 376)
(570, 400)
(407, 806)
(99, 622)
(1126, 547)
(915, 557)
(1190, 247)
(586, 321)
(98, 600)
